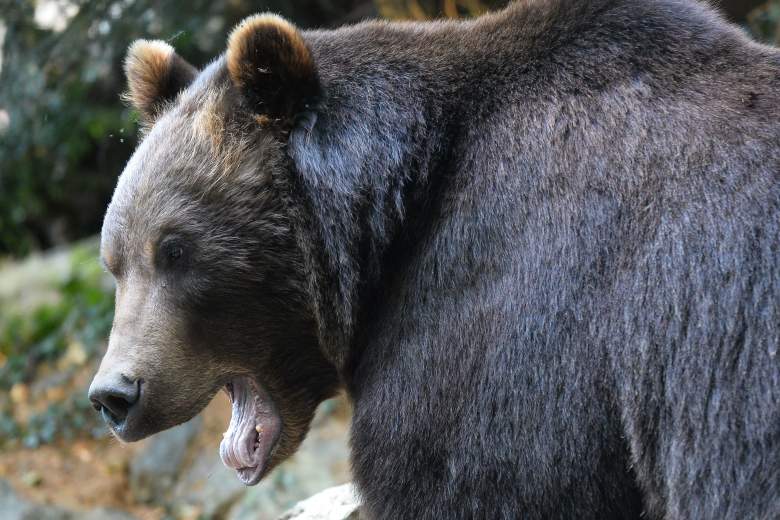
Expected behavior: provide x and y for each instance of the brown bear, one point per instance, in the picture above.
(540, 250)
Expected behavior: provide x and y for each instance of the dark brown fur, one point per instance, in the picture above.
(268, 59)
(540, 250)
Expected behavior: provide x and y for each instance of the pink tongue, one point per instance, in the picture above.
(253, 431)
(237, 448)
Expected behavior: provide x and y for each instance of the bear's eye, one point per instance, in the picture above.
(175, 252)
(171, 252)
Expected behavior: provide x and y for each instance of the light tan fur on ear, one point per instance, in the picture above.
(269, 61)
(272, 27)
(155, 74)
(146, 63)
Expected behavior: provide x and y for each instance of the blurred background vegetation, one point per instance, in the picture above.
(64, 138)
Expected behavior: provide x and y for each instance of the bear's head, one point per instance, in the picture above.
(209, 282)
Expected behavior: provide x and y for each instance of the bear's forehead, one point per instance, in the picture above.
(189, 144)
(198, 146)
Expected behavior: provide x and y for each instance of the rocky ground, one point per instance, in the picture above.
(57, 462)
(176, 474)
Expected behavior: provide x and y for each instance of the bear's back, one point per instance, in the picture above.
(602, 195)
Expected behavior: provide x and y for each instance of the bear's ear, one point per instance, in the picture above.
(155, 75)
(270, 64)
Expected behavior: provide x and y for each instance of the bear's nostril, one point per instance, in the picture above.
(118, 406)
(114, 400)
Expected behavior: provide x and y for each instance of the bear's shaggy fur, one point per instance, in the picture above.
(540, 250)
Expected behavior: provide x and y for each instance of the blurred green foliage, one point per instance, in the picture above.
(764, 22)
(81, 315)
(68, 419)
(52, 344)
(66, 135)
(35, 341)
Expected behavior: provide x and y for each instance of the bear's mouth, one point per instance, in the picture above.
(254, 428)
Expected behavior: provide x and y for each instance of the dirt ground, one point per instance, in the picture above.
(89, 474)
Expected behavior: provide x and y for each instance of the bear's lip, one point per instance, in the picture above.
(249, 441)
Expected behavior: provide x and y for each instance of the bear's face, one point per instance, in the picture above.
(209, 281)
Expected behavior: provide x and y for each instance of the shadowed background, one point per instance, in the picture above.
(64, 139)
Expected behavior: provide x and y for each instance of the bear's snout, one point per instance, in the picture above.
(115, 396)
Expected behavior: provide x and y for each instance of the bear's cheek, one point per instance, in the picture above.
(153, 374)
(172, 385)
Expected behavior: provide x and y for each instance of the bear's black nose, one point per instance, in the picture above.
(113, 398)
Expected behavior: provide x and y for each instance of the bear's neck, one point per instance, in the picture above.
(397, 101)
(361, 172)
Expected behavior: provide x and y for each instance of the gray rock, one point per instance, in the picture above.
(155, 470)
(104, 513)
(34, 281)
(336, 503)
(206, 487)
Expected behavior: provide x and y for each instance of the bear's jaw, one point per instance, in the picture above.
(254, 429)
